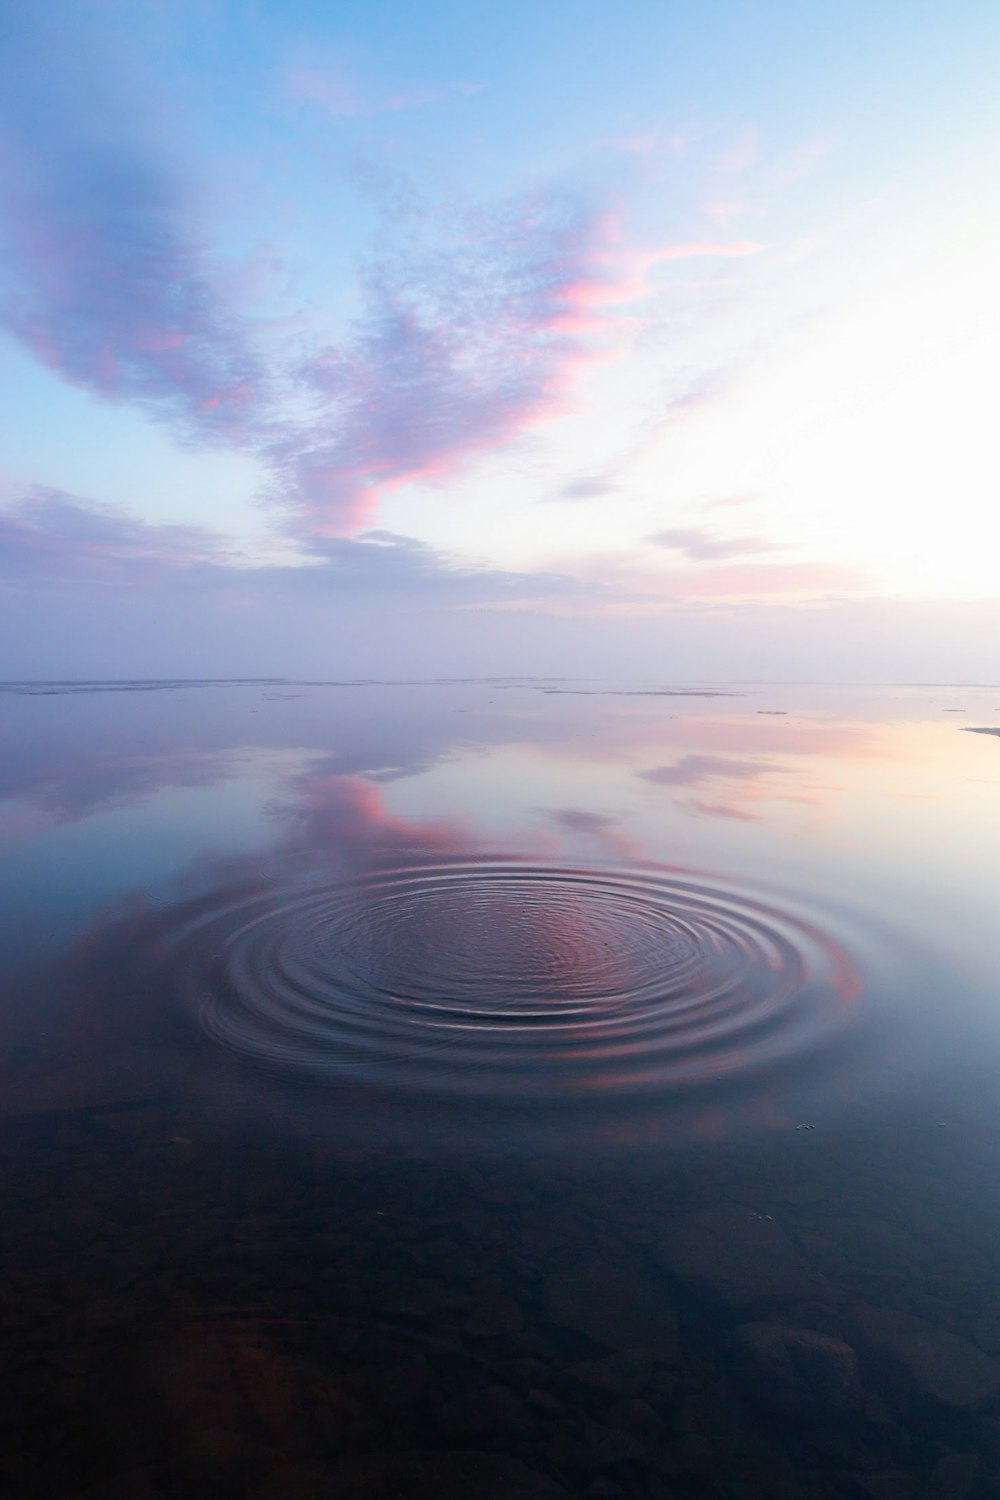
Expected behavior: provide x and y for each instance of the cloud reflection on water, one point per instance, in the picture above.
(235, 793)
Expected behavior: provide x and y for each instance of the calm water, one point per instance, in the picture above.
(500, 1089)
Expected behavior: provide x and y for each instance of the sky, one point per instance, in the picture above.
(649, 339)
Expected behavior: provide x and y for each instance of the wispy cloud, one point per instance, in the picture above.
(590, 487)
(476, 323)
(104, 277)
(603, 828)
(76, 787)
(475, 326)
(695, 770)
(734, 786)
(60, 541)
(461, 348)
(701, 545)
(55, 538)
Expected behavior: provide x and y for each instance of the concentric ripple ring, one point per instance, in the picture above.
(512, 979)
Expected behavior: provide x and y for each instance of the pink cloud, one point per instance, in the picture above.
(476, 325)
(344, 818)
(106, 285)
(462, 350)
(62, 543)
(615, 275)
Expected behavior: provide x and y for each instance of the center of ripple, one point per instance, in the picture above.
(513, 979)
(507, 946)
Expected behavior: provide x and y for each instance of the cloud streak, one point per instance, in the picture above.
(744, 784)
(55, 538)
(476, 323)
(103, 277)
(695, 770)
(461, 348)
(701, 545)
(61, 542)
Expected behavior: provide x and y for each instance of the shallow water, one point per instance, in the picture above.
(500, 1088)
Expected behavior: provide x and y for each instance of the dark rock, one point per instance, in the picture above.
(533, 1344)
(617, 1308)
(695, 1454)
(586, 1446)
(526, 1268)
(927, 1363)
(623, 1374)
(953, 1477)
(799, 1373)
(735, 1258)
(887, 1484)
(663, 1389)
(438, 1476)
(638, 1419)
(495, 1318)
(539, 1241)
(986, 1329)
(402, 1382)
(492, 1413)
(851, 1245)
(545, 1402)
(531, 1372)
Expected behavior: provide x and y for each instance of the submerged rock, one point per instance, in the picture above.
(954, 1477)
(799, 1373)
(623, 1374)
(986, 1329)
(733, 1257)
(497, 1316)
(927, 1363)
(492, 1413)
(886, 1484)
(438, 1476)
(618, 1308)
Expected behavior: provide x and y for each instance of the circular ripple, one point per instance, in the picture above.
(513, 979)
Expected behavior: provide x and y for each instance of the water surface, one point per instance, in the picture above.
(513, 1087)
